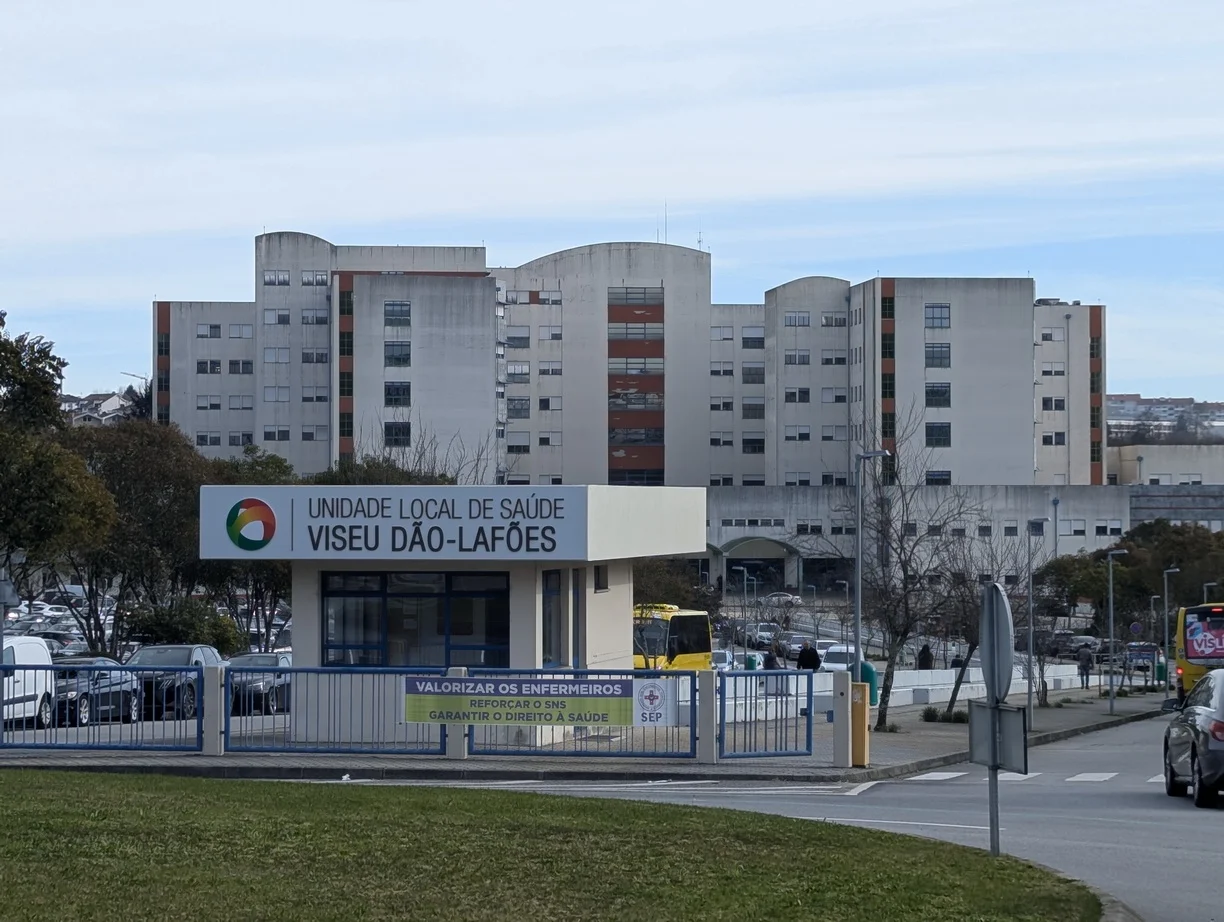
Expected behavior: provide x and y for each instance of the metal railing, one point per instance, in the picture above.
(103, 707)
(765, 713)
(611, 714)
(325, 709)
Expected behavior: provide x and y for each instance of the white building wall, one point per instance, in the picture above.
(1062, 364)
(1167, 465)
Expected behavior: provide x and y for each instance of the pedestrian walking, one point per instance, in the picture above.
(1083, 656)
(926, 659)
(809, 657)
(772, 660)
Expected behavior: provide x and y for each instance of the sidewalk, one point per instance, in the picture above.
(916, 746)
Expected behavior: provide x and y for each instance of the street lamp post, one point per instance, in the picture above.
(815, 630)
(743, 613)
(1152, 624)
(1207, 586)
(1118, 552)
(845, 584)
(1168, 677)
(858, 557)
(1036, 528)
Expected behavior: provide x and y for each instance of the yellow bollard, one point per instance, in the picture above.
(860, 717)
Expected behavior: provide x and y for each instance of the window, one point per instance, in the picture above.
(797, 357)
(276, 356)
(518, 443)
(722, 439)
(518, 408)
(636, 477)
(1094, 453)
(753, 481)
(635, 366)
(276, 394)
(797, 319)
(397, 354)
(888, 425)
(888, 345)
(909, 529)
(397, 434)
(935, 530)
(397, 394)
(1189, 480)
(1053, 334)
(163, 343)
(888, 385)
(346, 342)
(310, 277)
(163, 381)
(1053, 438)
(753, 443)
(632, 436)
(241, 439)
(550, 368)
(1115, 527)
(833, 433)
(1094, 417)
(798, 433)
(722, 480)
(346, 304)
(314, 433)
(241, 367)
(397, 313)
(799, 479)
(832, 395)
(1094, 382)
(985, 531)
(553, 439)
(635, 295)
(832, 356)
(1053, 369)
(833, 479)
(242, 402)
(798, 395)
(550, 404)
(888, 307)
(600, 580)
(346, 384)
(518, 372)
(210, 366)
(518, 337)
(722, 404)
(938, 355)
(722, 334)
(552, 619)
(276, 277)
(938, 394)
(315, 317)
(346, 425)
(752, 338)
(626, 331)
(550, 297)
(552, 334)
(937, 316)
(552, 480)
(1094, 347)
(208, 401)
(1011, 528)
(939, 479)
(724, 369)
(833, 319)
(241, 331)
(276, 317)
(938, 435)
(753, 408)
(208, 331)
(752, 373)
(314, 357)
(208, 439)
(1053, 404)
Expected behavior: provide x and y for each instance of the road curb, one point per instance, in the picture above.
(268, 772)
(1112, 908)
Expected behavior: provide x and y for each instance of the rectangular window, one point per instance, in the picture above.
(798, 395)
(797, 319)
(241, 331)
(888, 385)
(938, 355)
(939, 479)
(397, 354)
(834, 479)
(722, 334)
(752, 338)
(1094, 417)
(346, 384)
(346, 342)
(276, 277)
(208, 331)
(635, 366)
(1011, 528)
(797, 357)
(346, 425)
(832, 356)
(310, 277)
(346, 304)
(163, 381)
(600, 577)
(752, 372)
(518, 408)
(207, 439)
(1094, 382)
(799, 479)
(276, 356)
(1094, 347)
(314, 433)
(518, 372)
(1053, 334)
(833, 319)
(208, 401)
(163, 343)
(518, 337)
(276, 394)
(1094, 453)
(753, 408)
(888, 345)
(550, 368)
(722, 439)
(938, 394)
(620, 331)
(553, 439)
(397, 434)
(518, 443)
(1053, 369)
(1053, 404)
(550, 297)
(397, 313)
(753, 443)
(241, 367)
(208, 367)
(552, 333)
(554, 404)
(552, 619)
(722, 480)
(832, 395)
(798, 433)
(397, 394)
(1053, 438)
(635, 436)
(723, 369)
(635, 296)
(888, 425)
(938, 435)
(276, 317)
(722, 404)
(241, 439)
(313, 357)
(242, 402)
(937, 316)
(833, 433)
(315, 317)
(888, 307)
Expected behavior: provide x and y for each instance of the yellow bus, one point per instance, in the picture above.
(670, 637)
(1199, 644)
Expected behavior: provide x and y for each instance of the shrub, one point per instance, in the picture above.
(960, 717)
(892, 728)
(930, 713)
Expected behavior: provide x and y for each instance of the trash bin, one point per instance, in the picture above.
(752, 661)
(1161, 672)
(870, 676)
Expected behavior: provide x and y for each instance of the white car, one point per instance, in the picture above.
(782, 598)
(839, 657)
(762, 635)
(28, 692)
(724, 661)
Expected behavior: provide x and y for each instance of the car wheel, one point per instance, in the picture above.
(45, 715)
(1204, 796)
(131, 714)
(1173, 787)
(82, 711)
(269, 702)
(187, 702)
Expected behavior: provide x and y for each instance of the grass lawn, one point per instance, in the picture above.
(144, 847)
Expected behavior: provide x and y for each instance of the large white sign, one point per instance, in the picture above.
(393, 523)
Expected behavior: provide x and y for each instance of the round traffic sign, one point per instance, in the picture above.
(1136, 628)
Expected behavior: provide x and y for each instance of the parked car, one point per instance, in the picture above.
(1194, 741)
(837, 658)
(262, 692)
(724, 661)
(28, 693)
(762, 635)
(90, 696)
(168, 688)
(792, 642)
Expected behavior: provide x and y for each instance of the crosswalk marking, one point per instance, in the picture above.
(938, 776)
(1016, 776)
(1155, 778)
(1093, 776)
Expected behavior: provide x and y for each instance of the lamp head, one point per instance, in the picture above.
(1172, 570)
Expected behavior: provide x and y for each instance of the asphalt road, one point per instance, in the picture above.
(1092, 807)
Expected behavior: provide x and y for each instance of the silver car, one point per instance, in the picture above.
(1194, 741)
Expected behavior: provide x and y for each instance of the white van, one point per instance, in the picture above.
(28, 692)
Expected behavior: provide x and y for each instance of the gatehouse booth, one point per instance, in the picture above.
(439, 577)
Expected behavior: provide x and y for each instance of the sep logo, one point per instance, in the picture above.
(250, 516)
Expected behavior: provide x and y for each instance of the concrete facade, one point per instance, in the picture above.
(1168, 465)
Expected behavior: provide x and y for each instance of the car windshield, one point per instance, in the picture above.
(838, 656)
(254, 659)
(161, 656)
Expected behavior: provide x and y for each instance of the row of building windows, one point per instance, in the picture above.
(525, 479)
(520, 407)
(520, 337)
(518, 442)
(529, 296)
(239, 439)
(309, 277)
(520, 372)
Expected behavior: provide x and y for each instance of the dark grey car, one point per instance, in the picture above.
(1194, 741)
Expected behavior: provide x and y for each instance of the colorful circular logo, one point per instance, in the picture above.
(246, 513)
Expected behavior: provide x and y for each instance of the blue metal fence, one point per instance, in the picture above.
(326, 709)
(763, 714)
(103, 707)
(658, 718)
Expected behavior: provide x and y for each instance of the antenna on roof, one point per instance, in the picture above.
(665, 220)
(699, 236)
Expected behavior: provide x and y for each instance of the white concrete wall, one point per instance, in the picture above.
(609, 618)
(625, 522)
(1168, 464)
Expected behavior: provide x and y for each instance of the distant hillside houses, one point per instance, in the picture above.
(104, 409)
(1131, 415)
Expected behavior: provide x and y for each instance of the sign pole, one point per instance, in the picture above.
(995, 630)
(994, 777)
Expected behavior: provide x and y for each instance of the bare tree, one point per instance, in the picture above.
(424, 452)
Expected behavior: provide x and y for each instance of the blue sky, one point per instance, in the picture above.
(1082, 143)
